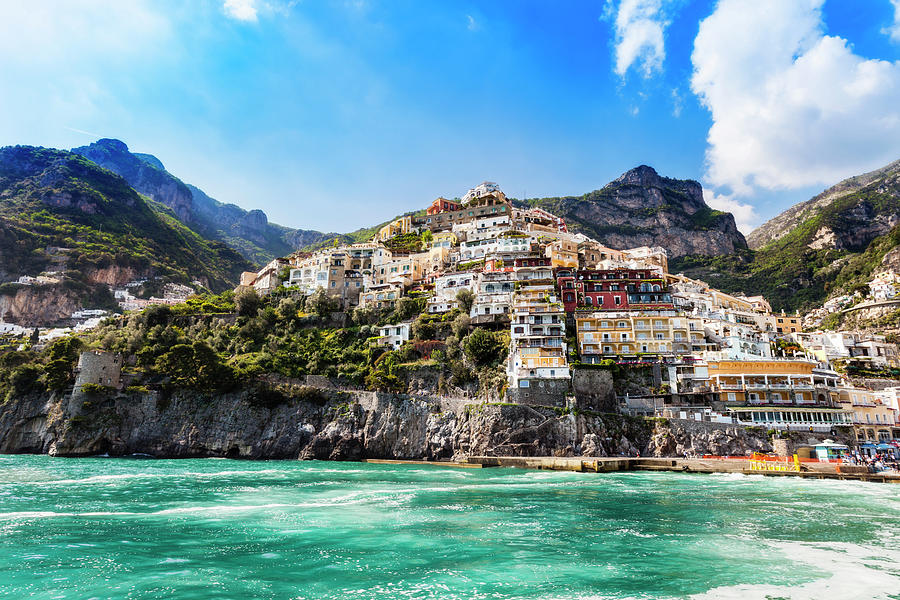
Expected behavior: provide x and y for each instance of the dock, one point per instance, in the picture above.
(581, 464)
(434, 463)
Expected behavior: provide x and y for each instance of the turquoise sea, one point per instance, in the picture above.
(131, 528)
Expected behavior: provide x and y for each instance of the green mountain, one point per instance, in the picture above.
(641, 208)
(828, 245)
(248, 232)
(63, 213)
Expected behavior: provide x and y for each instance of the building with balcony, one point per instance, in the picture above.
(537, 339)
(394, 336)
(613, 289)
(873, 420)
(758, 382)
(442, 205)
(381, 296)
(493, 297)
(635, 333)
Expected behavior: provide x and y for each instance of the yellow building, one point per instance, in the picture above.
(398, 227)
(382, 296)
(786, 324)
(764, 381)
(431, 263)
(595, 255)
(872, 420)
(610, 334)
(563, 254)
(444, 239)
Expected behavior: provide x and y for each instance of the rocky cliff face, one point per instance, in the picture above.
(641, 208)
(340, 426)
(34, 306)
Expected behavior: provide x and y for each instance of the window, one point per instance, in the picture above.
(618, 300)
(732, 396)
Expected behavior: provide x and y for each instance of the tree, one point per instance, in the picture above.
(320, 302)
(465, 298)
(407, 307)
(62, 355)
(384, 374)
(25, 379)
(246, 302)
(158, 314)
(194, 366)
(288, 309)
(427, 236)
(460, 325)
(422, 329)
(483, 347)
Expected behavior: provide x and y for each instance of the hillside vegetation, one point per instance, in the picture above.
(835, 249)
(61, 212)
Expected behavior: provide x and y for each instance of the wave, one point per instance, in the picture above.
(93, 479)
(855, 573)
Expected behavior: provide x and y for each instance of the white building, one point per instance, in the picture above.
(394, 335)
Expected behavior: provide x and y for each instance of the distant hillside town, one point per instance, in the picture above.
(570, 303)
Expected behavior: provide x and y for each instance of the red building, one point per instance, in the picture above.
(442, 205)
(532, 261)
(613, 289)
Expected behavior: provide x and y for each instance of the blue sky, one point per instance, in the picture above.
(338, 115)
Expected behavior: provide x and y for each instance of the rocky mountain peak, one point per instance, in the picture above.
(646, 180)
(142, 175)
(111, 144)
(642, 175)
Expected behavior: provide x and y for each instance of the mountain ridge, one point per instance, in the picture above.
(781, 224)
(826, 246)
(62, 213)
(643, 208)
(247, 231)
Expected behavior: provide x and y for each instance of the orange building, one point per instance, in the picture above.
(442, 205)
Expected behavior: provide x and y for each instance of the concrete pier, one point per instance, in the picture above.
(436, 463)
(680, 465)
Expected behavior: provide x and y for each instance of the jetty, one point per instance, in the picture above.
(811, 470)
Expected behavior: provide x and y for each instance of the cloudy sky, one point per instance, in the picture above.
(337, 115)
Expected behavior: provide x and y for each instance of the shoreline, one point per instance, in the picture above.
(581, 464)
(677, 465)
(578, 464)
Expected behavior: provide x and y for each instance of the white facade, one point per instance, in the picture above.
(394, 335)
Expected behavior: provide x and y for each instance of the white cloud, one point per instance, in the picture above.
(640, 26)
(242, 10)
(473, 25)
(54, 34)
(791, 106)
(745, 216)
(894, 30)
(677, 102)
